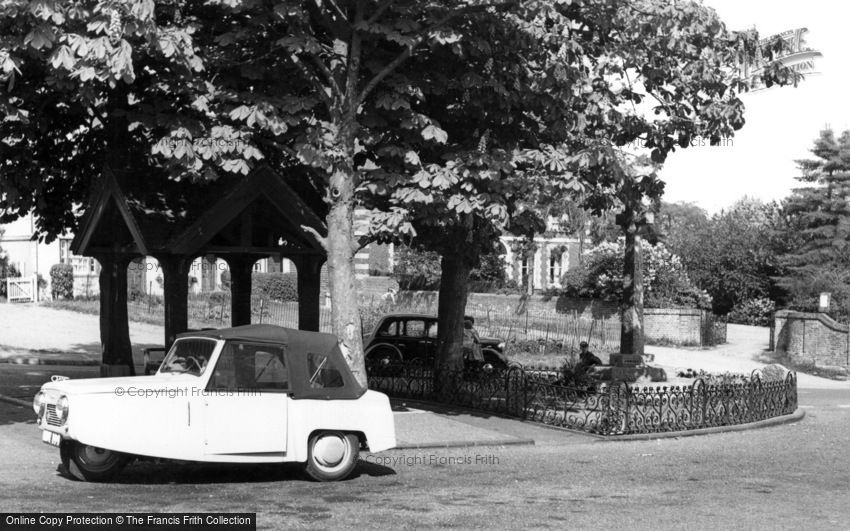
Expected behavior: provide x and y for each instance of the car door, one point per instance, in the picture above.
(246, 402)
(412, 339)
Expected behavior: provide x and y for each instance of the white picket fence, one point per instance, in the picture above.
(22, 289)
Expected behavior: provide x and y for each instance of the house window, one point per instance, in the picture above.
(554, 269)
(65, 251)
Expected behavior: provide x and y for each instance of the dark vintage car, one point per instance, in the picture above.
(413, 337)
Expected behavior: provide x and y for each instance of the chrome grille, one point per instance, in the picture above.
(52, 417)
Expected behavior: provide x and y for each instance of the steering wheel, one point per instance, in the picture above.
(194, 361)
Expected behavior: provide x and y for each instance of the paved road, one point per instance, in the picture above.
(784, 477)
(787, 477)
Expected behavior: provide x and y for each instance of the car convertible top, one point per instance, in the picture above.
(302, 349)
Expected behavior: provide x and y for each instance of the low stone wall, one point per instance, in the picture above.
(590, 308)
(493, 301)
(811, 338)
(661, 325)
(682, 326)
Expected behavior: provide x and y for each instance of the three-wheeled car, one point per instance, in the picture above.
(249, 394)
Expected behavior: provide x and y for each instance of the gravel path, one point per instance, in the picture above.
(33, 327)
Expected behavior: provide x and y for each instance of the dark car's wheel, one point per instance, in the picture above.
(331, 455)
(89, 463)
(383, 353)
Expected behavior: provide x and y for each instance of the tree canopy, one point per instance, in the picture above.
(448, 117)
(817, 218)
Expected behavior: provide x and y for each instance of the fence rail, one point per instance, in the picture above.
(615, 409)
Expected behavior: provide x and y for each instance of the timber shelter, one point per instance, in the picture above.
(240, 219)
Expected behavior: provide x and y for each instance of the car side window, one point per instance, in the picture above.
(414, 328)
(432, 330)
(250, 366)
(323, 372)
(388, 329)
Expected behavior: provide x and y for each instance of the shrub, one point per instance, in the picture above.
(62, 281)
(217, 297)
(135, 294)
(756, 312)
(275, 286)
(665, 281)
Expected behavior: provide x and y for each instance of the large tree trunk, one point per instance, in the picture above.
(631, 331)
(341, 247)
(345, 314)
(114, 328)
(454, 291)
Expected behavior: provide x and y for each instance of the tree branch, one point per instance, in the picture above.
(323, 241)
(353, 62)
(361, 243)
(334, 5)
(317, 83)
(387, 70)
(379, 11)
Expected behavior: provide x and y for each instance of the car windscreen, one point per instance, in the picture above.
(190, 355)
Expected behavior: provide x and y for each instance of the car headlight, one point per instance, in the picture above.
(38, 404)
(62, 409)
(502, 345)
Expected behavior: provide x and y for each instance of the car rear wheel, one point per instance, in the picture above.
(90, 463)
(383, 353)
(332, 455)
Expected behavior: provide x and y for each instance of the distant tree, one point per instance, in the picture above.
(416, 268)
(678, 222)
(732, 255)
(818, 217)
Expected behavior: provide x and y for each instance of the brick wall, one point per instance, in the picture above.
(678, 325)
(811, 338)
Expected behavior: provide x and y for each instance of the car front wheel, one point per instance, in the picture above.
(90, 463)
(332, 455)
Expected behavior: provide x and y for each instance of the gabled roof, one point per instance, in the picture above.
(182, 217)
(109, 194)
(261, 183)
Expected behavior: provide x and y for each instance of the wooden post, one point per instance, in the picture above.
(114, 327)
(309, 291)
(175, 275)
(241, 268)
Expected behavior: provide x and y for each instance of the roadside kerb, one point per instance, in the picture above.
(465, 444)
(796, 416)
(16, 401)
(45, 357)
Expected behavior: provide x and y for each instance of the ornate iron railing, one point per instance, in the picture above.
(604, 409)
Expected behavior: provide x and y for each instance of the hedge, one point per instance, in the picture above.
(62, 281)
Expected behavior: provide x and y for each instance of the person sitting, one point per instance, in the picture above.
(587, 359)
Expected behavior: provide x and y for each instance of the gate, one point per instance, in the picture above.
(22, 289)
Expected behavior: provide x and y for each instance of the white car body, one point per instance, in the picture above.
(179, 416)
